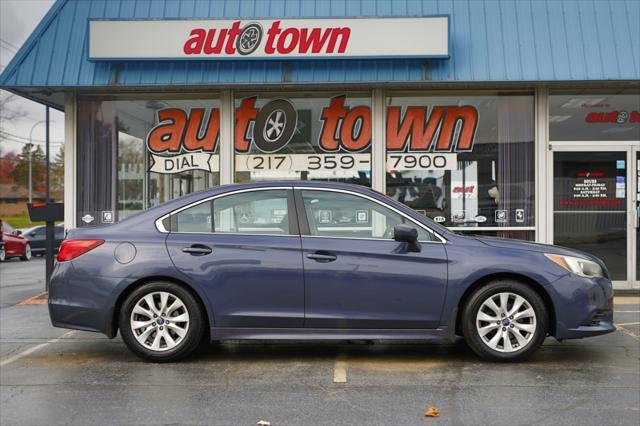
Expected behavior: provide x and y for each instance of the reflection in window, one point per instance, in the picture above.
(334, 214)
(194, 219)
(303, 136)
(256, 212)
(595, 116)
(122, 173)
(466, 161)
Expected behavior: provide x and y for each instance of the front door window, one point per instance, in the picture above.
(335, 214)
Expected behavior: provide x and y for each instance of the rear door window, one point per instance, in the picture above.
(255, 212)
(194, 219)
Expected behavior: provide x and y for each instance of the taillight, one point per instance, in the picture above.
(70, 249)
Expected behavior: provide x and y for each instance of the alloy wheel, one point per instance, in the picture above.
(2, 254)
(27, 252)
(506, 322)
(160, 321)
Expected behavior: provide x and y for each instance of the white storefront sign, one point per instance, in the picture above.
(421, 37)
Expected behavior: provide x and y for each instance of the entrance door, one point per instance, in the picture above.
(595, 206)
(636, 215)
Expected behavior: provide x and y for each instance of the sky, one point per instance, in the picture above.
(18, 18)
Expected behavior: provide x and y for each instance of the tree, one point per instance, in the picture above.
(20, 173)
(8, 162)
(57, 175)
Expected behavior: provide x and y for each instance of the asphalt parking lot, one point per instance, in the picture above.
(51, 376)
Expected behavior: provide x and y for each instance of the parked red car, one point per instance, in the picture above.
(12, 244)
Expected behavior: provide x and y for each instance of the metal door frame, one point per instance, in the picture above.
(630, 147)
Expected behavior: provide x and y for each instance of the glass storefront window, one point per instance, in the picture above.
(594, 116)
(303, 136)
(466, 161)
(590, 206)
(136, 154)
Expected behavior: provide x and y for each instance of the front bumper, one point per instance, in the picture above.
(583, 306)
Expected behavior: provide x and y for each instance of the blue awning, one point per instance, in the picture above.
(492, 41)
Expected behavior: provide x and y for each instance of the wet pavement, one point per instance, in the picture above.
(85, 378)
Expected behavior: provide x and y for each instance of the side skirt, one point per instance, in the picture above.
(237, 333)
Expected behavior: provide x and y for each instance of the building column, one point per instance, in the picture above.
(378, 143)
(543, 170)
(70, 183)
(226, 144)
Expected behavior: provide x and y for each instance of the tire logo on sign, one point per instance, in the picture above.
(275, 125)
(249, 39)
(622, 118)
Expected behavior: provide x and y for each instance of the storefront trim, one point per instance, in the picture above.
(378, 146)
(70, 163)
(227, 120)
(541, 168)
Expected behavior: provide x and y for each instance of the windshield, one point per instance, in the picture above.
(7, 228)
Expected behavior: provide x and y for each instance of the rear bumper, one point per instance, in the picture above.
(83, 302)
(79, 318)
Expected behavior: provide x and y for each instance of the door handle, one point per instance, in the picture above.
(197, 250)
(322, 256)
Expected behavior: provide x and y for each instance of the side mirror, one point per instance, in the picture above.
(18, 232)
(407, 234)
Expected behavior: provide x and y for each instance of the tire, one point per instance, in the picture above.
(186, 335)
(27, 253)
(500, 342)
(3, 254)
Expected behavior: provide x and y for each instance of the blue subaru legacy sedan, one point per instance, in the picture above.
(308, 260)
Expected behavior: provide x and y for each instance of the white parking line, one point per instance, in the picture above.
(626, 312)
(629, 323)
(628, 332)
(31, 350)
(340, 369)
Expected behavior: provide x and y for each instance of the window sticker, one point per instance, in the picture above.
(362, 216)
(501, 216)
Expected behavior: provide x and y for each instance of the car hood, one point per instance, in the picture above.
(527, 245)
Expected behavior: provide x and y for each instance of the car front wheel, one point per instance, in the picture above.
(505, 320)
(3, 254)
(161, 322)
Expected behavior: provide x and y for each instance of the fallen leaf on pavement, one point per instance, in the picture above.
(263, 423)
(432, 412)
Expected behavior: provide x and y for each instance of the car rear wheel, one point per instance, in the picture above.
(161, 322)
(27, 253)
(505, 320)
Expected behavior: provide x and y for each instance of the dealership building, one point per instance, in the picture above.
(508, 118)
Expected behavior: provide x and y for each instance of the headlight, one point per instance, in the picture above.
(577, 265)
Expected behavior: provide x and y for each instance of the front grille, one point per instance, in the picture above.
(598, 316)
